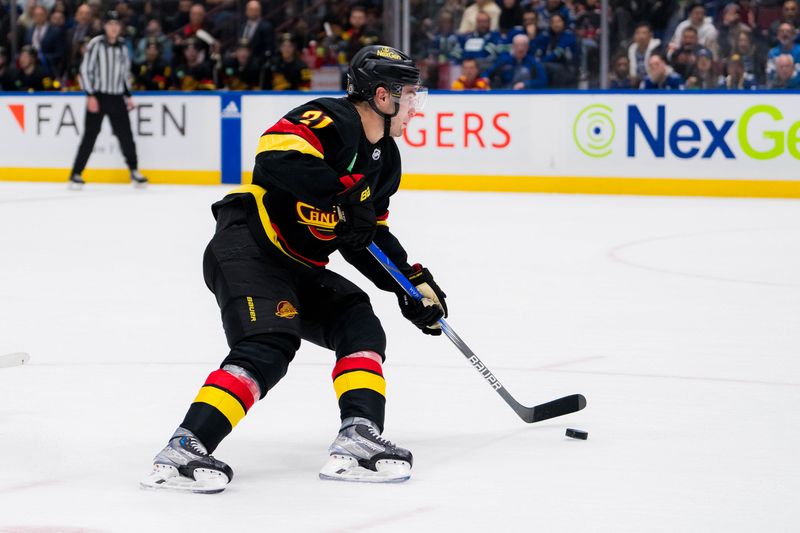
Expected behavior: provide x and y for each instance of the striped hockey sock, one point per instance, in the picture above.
(222, 402)
(360, 387)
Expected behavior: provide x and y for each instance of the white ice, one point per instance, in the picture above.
(678, 318)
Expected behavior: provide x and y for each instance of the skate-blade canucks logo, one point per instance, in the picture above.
(594, 130)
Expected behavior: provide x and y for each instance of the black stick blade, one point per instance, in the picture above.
(560, 407)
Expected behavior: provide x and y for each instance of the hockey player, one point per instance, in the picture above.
(322, 181)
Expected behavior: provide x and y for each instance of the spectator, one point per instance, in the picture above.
(29, 75)
(72, 76)
(442, 46)
(786, 45)
(480, 44)
(683, 59)
(790, 14)
(703, 74)
(729, 29)
(197, 22)
(358, 35)
(180, 18)
(660, 75)
(242, 72)
(153, 32)
(84, 26)
(455, 8)
(470, 78)
(48, 41)
(736, 78)
(153, 72)
(621, 77)
(550, 8)
(443, 43)
(754, 57)
(640, 50)
(786, 76)
(706, 32)
(258, 32)
(587, 29)
(469, 22)
(130, 19)
(510, 16)
(288, 72)
(195, 71)
(518, 70)
(560, 53)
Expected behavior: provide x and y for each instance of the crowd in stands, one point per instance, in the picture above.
(459, 44)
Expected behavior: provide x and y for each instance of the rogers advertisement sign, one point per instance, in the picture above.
(458, 130)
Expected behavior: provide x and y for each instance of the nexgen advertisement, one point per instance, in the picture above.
(177, 139)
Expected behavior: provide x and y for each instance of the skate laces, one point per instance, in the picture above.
(379, 438)
(193, 445)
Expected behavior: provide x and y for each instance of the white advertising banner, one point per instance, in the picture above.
(636, 135)
(175, 136)
(577, 136)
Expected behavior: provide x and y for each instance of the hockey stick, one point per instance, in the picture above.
(14, 359)
(537, 413)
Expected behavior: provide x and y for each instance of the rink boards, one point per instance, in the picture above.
(682, 143)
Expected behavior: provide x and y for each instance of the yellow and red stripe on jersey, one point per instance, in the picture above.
(227, 394)
(286, 135)
(271, 230)
(351, 373)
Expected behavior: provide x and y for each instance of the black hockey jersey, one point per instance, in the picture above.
(299, 163)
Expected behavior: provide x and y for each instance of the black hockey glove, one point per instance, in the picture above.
(424, 314)
(356, 226)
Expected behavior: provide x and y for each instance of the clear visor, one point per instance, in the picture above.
(413, 97)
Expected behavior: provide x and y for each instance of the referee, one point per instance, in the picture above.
(104, 75)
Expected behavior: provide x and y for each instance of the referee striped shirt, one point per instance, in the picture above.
(106, 67)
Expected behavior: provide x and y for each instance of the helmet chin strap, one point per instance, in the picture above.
(387, 119)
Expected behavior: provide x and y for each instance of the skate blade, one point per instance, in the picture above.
(343, 468)
(72, 186)
(139, 184)
(167, 478)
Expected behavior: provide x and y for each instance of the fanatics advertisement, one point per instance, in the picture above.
(177, 139)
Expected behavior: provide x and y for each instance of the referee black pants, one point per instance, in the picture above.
(114, 106)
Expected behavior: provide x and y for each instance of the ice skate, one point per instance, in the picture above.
(359, 453)
(184, 465)
(138, 179)
(75, 182)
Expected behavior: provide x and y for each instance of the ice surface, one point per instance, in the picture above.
(678, 318)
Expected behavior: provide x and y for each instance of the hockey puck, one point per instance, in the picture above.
(577, 434)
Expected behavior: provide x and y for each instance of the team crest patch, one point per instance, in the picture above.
(286, 310)
(376, 154)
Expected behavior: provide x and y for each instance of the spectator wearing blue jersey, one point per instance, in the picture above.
(660, 75)
(560, 52)
(786, 45)
(735, 77)
(550, 8)
(518, 70)
(481, 44)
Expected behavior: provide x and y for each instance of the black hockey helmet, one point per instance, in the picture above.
(375, 66)
(383, 66)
